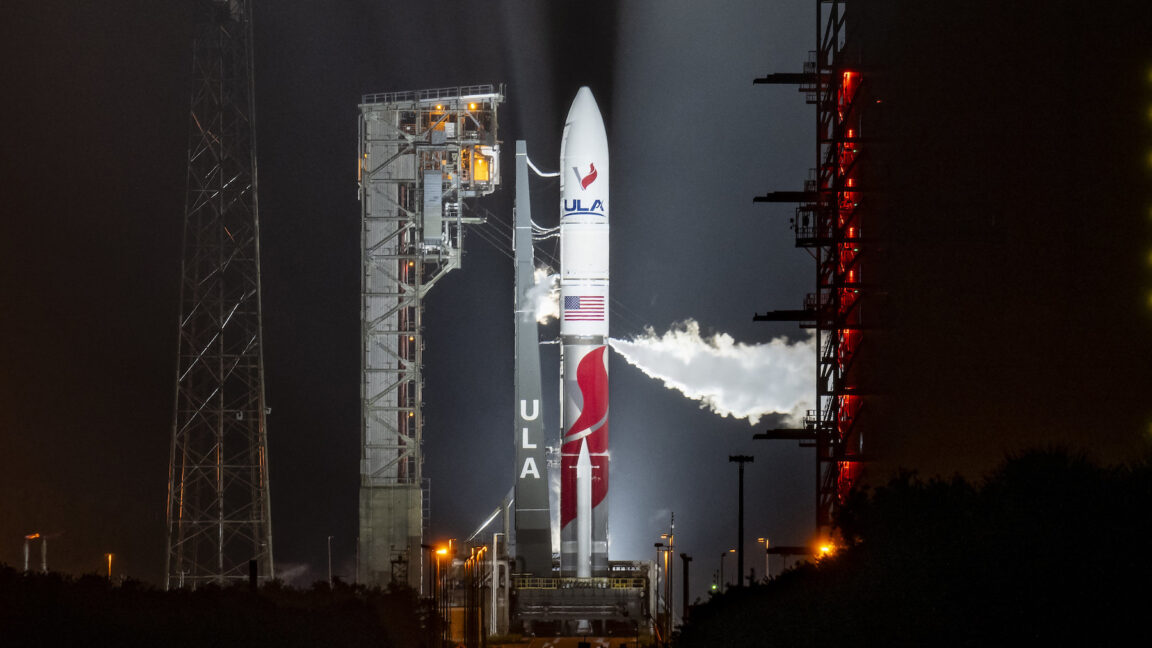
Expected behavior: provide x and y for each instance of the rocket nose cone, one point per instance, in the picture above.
(584, 96)
(584, 106)
(584, 150)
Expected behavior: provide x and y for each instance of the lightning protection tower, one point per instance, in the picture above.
(423, 155)
(218, 507)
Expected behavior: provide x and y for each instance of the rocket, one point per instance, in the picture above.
(583, 336)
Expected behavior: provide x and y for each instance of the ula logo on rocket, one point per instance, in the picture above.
(576, 207)
(585, 180)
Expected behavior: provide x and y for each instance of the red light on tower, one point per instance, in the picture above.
(837, 246)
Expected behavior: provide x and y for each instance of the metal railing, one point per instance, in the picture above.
(526, 582)
(431, 94)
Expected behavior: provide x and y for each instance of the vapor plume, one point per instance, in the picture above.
(730, 378)
(545, 294)
(295, 574)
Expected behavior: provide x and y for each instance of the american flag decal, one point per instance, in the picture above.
(584, 309)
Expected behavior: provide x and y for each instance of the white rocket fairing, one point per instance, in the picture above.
(583, 334)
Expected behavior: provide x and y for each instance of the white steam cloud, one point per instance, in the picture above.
(294, 574)
(731, 378)
(545, 293)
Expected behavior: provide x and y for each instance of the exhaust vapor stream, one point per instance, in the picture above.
(731, 378)
(546, 295)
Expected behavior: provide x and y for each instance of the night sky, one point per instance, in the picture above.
(1016, 251)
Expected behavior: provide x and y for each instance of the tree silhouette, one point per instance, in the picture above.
(1048, 548)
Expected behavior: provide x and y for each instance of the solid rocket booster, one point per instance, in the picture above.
(583, 334)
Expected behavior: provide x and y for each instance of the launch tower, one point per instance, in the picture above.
(423, 155)
(829, 222)
(533, 521)
(219, 520)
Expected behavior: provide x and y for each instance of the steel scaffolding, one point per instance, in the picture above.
(829, 223)
(219, 522)
(423, 154)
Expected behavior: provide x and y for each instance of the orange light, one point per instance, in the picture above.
(442, 551)
(827, 550)
(471, 106)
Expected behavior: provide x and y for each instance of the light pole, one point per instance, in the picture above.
(329, 561)
(441, 593)
(481, 635)
(740, 459)
(494, 579)
(687, 559)
(469, 583)
(656, 591)
(764, 541)
(722, 556)
(473, 616)
(669, 602)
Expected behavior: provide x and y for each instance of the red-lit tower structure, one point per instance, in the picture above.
(830, 223)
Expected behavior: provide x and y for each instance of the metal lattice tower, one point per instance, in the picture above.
(218, 506)
(423, 154)
(830, 223)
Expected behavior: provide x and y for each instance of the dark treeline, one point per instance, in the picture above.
(1049, 548)
(57, 610)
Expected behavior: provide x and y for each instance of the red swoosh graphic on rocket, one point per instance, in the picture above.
(590, 178)
(592, 378)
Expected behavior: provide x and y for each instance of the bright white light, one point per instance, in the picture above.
(731, 378)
